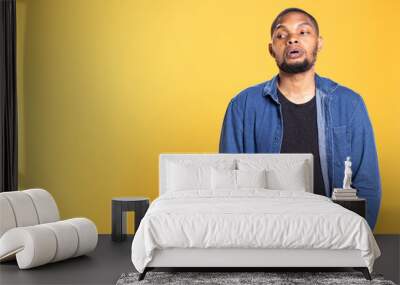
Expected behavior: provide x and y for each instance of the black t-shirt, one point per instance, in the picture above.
(300, 134)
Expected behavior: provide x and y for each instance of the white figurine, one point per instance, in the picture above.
(347, 174)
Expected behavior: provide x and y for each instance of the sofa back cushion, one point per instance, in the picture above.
(26, 208)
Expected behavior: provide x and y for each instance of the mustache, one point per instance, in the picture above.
(314, 52)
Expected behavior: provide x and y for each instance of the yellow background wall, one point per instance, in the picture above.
(105, 86)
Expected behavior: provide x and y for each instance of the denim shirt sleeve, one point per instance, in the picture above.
(231, 140)
(366, 178)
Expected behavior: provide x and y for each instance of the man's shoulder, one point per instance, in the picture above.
(331, 86)
(252, 92)
(343, 94)
(346, 101)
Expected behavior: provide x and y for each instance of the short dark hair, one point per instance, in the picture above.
(291, 10)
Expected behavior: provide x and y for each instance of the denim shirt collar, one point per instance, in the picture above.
(322, 84)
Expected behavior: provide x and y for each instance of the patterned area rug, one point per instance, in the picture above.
(225, 278)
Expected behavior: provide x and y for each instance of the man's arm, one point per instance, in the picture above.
(231, 140)
(366, 178)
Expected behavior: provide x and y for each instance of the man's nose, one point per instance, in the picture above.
(292, 40)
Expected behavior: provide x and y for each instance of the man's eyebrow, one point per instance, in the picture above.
(301, 24)
(306, 23)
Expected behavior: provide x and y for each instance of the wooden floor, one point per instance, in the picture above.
(111, 259)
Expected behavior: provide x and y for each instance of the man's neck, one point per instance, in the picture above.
(298, 88)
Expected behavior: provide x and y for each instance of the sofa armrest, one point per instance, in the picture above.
(40, 244)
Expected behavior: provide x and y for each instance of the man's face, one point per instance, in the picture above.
(295, 43)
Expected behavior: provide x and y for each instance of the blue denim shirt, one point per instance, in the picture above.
(253, 124)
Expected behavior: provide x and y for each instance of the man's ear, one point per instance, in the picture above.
(271, 51)
(320, 43)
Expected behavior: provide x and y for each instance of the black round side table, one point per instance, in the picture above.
(120, 206)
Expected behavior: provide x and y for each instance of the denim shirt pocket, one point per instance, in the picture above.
(341, 149)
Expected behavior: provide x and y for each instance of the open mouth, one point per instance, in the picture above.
(294, 53)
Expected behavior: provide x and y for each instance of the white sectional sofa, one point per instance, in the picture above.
(31, 231)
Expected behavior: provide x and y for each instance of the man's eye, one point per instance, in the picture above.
(304, 32)
(280, 36)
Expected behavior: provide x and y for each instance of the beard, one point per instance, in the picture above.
(299, 66)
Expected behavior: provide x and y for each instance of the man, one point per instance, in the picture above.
(298, 111)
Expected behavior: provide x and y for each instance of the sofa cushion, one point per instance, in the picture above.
(26, 208)
(45, 205)
(7, 220)
(40, 244)
(23, 208)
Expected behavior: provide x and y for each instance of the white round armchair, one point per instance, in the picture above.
(31, 230)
